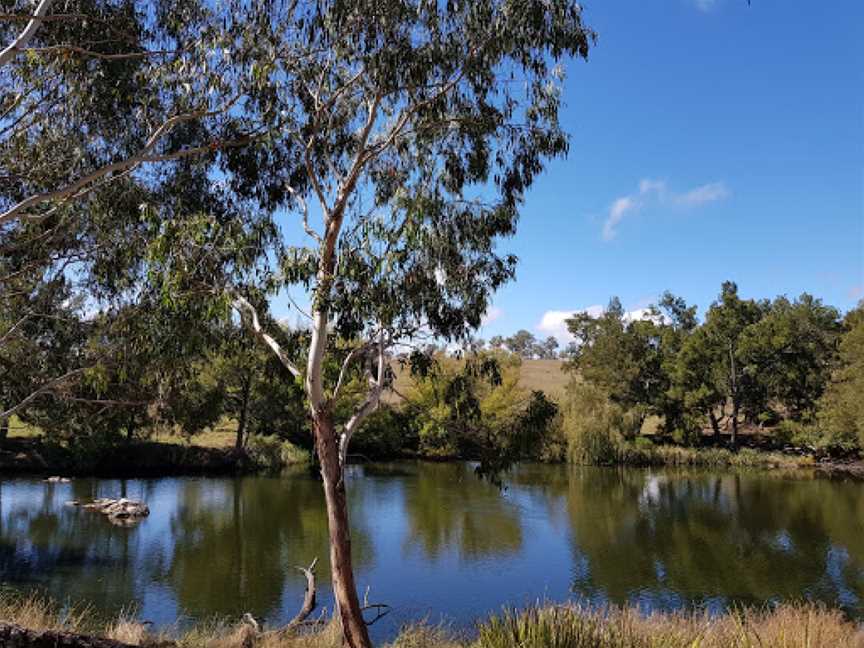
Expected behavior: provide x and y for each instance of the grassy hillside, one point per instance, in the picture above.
(547, 376)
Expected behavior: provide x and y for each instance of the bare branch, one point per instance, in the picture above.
(75, 49)
(24, 37)
(343, 372)
(80, 186)
(373, 399)
(311, 232)
(241, 304)
(44, 389)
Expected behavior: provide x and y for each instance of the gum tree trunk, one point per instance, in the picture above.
(354, 629)
(240, 441)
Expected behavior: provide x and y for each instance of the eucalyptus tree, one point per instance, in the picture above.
(399, 136)
(415, 127)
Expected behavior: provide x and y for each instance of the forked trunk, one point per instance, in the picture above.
(354, 632)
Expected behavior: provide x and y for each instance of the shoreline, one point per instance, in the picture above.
(30, 457)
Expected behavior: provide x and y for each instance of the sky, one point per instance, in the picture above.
(711, 140)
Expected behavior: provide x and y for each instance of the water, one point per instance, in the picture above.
(435, 542)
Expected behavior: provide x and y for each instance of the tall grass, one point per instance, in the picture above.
(788, 626)
(550, 626)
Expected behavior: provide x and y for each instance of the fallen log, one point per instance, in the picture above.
(15, 636)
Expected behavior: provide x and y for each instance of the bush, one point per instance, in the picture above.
(592, 425)
(270, 453)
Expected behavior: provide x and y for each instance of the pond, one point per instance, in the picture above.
(435, 542)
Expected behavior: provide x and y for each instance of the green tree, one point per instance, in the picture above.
(712, 372)
(621, 357)
(549, 348)
(841, 408)
(791, 350)
(522, 343)
(399, 120)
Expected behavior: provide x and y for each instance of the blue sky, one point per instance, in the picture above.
(711, 140)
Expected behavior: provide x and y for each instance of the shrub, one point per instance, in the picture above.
(272, 454)
(592, 425)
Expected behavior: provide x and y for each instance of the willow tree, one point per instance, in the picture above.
(400, 135)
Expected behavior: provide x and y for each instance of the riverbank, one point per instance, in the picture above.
(550, 626)
(161, 458)
(136, 459)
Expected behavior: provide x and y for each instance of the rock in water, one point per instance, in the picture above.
(121, 511)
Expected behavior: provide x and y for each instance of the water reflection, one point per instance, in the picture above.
(667, 539)
(432, 539)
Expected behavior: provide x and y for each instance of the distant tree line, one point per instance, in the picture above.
(791, 366)
(791, 371)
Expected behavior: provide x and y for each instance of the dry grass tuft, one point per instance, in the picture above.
(788, 626)
(40, 613)
(128, 630)
(551, 626)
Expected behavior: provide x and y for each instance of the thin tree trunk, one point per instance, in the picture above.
(714, 424)
(244, 413)
(4, 428)
(354, 631)
(735, 424)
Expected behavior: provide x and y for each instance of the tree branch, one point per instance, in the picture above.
(373, 399)
(241, 304)
(24, 37)
(44, 389)
(311, 232)
(80, 187)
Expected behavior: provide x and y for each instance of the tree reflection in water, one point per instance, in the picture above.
(436, 540)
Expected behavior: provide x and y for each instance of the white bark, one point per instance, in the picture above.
(25, 36)
(317, 349)
(241, 304)
(370, 404)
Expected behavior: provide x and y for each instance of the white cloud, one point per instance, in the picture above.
(492, 313)
(655, 191)
(554, 322)
(616, 213)
(707, 193)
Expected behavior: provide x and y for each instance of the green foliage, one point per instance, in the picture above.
(272, 454)
(474, 407)
(760, 363)
(841, 408)
(593, 425)
(622, 358)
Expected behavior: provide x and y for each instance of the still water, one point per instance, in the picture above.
(435, 542)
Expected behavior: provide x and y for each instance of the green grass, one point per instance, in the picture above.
(18, 429)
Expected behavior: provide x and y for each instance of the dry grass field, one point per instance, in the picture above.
(547, 376)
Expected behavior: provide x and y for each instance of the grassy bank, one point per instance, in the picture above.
(787, 626)
(163, 456)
